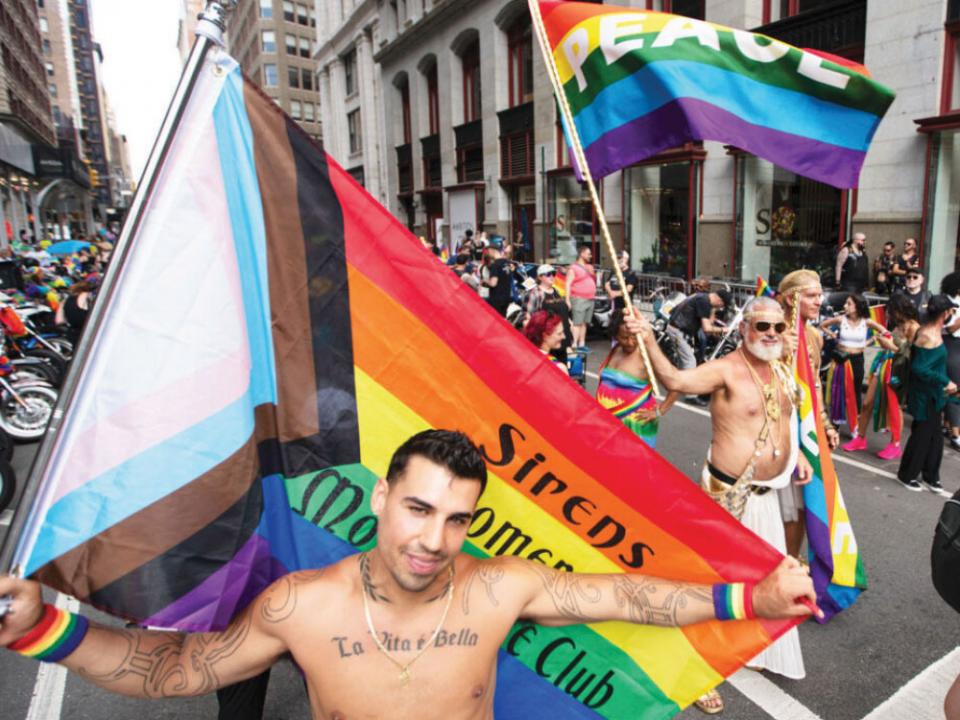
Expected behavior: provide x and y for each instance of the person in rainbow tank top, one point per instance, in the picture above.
(625, 389)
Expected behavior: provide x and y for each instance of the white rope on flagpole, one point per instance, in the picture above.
(581, 161)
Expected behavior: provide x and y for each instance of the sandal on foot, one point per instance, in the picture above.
(710, 703)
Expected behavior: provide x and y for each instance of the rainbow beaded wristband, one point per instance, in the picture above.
(53, 638)
(733, 601)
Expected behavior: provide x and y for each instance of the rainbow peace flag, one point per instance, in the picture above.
(234, 431)
(835, 562)
(764, 290)
(640, 81)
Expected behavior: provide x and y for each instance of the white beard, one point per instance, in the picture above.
(766, 353)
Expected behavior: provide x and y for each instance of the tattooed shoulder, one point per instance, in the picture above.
(482, 584)
(280, 600)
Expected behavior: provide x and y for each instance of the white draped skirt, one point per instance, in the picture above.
(762, 516)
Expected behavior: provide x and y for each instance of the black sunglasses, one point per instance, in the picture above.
(763, 326)
(549, 274)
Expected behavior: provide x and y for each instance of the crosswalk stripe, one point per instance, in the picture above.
(769, 697)
(923, 696)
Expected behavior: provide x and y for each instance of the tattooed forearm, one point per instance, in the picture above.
(156, 665)
(281, 600)
(656, 602)
(573, 597)
(486, 575)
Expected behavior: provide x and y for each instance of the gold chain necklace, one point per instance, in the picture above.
(770, 394)
(405, 668)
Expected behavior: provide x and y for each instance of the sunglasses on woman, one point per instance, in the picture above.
(762, 326)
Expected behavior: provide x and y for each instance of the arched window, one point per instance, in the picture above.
(520, 61)
(470, 60)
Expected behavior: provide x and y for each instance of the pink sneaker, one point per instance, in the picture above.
(890, 452)
(858, 443)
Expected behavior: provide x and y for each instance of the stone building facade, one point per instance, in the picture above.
(471, 139)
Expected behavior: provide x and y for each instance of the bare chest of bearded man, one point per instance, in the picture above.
(739, 413)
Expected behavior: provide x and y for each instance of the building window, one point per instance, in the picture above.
(268, 41)
(784, 221)
(941, 243)
(49, 67)
(296, 111)
(269, 75)
(405, 111)
(44, 25)
(288, 13)
(303, 17)
(305, 47)
(470, 59)
(308, 112)
(433, 100)
(46, 47)
(350, 72)
(950, 92)
(689, 8)
(572, 218)
(293, 77)
(53, 89)
(307, 83)
(354, 132)
(291, 44)
(520, 59)
(266, 8)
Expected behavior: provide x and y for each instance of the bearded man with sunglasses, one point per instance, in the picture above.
(754, 448)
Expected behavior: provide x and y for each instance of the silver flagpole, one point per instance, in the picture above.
(209, 32)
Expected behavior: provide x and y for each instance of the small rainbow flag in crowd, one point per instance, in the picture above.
(764, 290)
(835, 562)
(659, 80)
(235, 432)
(878, 313)
(560, 282)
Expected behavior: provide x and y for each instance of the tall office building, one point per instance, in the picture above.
(274, 40)
(87, 56)
(25, 116)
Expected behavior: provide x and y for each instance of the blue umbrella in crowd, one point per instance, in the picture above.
(68, 247)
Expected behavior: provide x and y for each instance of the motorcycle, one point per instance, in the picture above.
(25, 408)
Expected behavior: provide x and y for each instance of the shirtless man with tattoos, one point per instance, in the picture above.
(410, 629)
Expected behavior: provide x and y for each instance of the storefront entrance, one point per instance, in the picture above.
(785, 221)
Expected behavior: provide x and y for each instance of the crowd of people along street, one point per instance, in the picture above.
(875, 368)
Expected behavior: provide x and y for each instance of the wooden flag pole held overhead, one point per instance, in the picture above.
(581, 161)
(210, 29)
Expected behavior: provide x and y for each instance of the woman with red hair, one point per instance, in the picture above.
(545, 330)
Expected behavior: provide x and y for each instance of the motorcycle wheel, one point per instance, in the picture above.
(8, 484)
(669, 348)
(6, 446)
(42, 372)
(54, 361)
(29, 421)
(63, 346)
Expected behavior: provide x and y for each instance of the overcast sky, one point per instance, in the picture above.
(141, 66)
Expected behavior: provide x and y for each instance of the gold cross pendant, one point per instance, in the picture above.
(404, 676)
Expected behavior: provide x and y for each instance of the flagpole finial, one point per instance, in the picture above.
(213, 20)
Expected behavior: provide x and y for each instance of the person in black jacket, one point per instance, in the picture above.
(853, 268)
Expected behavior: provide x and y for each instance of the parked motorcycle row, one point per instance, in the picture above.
(34, 357)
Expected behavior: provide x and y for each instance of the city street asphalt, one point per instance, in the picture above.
(862, 657)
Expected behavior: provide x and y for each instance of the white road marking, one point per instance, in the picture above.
(769, 697)
(922, 697)
(6, 517)
(48, 690)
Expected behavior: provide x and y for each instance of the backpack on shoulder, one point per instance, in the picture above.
(945, 553)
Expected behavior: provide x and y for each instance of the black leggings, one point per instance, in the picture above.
(856, 363)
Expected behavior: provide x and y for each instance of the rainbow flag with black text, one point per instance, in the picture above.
(640, 81)
(273, 336)
(835, 562)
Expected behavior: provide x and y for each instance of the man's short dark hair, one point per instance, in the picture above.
(450, 449)
(889, 244)
(726, 297)
(937, 306)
